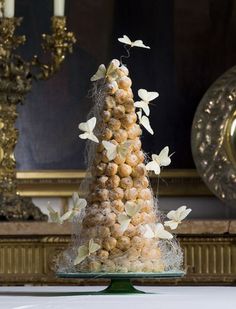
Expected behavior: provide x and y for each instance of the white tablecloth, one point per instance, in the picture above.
(166, 298)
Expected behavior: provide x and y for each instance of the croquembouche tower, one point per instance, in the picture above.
(119, 226)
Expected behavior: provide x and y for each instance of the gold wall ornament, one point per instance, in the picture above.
(16, 77)
(230, 137)
(58, 183)
(214, 137)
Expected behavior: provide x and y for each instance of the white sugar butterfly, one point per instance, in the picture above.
(162, 159)
(85, 251)
(144, 121)
(78, 205)
(155, 231)
(88, 128)
(146, 96)
(138, 43)
(102, 72)
(113, 150)
(131, 209)
(56, 217)
(176, 217)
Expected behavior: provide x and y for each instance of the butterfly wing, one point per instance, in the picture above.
(111, 70)
(125, 40)
(139, 113)
(91, 123)
(101, 72)
(152, 95)
(132, 208)
(111, 150)
(67, 216)
(93, 137)
(123, 149)
(183, 212)
(146, 123)
(84, 135)
(93, 247)
(139, 43)
(144, 106)
(83, 252)
(164, 157)
(147, 231)
(153, 166)
(75, 198)
(124, 221)
(171, 224)
(143, 94)
(83, 126)
(82, 203)
(54, 215)
(161, 233)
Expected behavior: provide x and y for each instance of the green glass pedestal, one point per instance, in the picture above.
(120, 282)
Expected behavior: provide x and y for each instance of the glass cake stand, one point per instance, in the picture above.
(120, 282)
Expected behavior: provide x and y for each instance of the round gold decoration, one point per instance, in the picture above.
(214, 137)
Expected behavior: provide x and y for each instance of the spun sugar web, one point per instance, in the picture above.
(121, 228)
(171, 256)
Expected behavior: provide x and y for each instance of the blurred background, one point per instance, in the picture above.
(192, 44)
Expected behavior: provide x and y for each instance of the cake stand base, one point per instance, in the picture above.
(120, 282)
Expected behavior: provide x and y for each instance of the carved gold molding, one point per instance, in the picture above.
(173, 182)
(31, 259)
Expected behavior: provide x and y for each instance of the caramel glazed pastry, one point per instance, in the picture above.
(117, 183)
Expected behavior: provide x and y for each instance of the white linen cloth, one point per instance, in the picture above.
(165, 298)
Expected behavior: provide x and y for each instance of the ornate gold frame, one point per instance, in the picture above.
(62, 183)
(211, 137)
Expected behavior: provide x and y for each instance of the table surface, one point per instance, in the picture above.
(165, 298)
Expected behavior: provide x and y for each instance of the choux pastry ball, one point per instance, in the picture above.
(131, 194)
(119, 159)
(109, 102)
(123, 243)
(141, 182)
(111, 169)
(129, 105)
(124, 83)
(116, 194)
(124, 170)
(124, 70)
(112, 87)
(118, 206)
(107, 134)
(121, 96)
(126, 182)
(128, 122)
(120, 136)
(118, 111)
(139, 170)
(109, 243)
(101, 181)
(145, 194)
(103, 255)
(106, 116)
(136, 144)
(133, 129)
(132, 159)
(113, 182)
